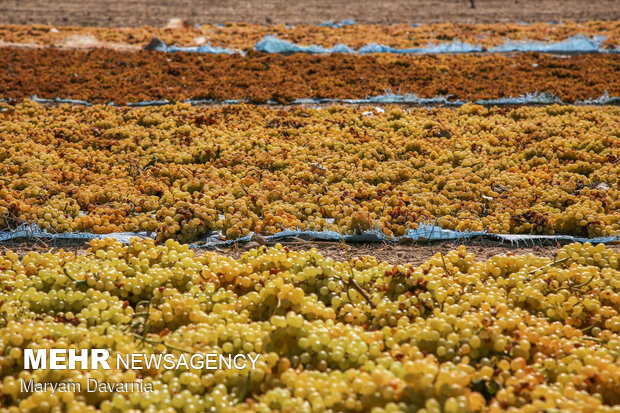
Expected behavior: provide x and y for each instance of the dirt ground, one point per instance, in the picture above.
(399, 254)
(405, 254)
(158, 12)
(415, 254)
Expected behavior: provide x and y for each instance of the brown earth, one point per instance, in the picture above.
(158, 12)
(404, 254)
(104, 75)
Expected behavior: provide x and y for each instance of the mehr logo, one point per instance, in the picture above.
(63, 359)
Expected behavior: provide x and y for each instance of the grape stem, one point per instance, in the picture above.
(351, 282)
(363, 293)
(582, 284)
(140, 314)
(545, 266)
(445, 267)
(275, 310)
(244, 392)
(71, 278)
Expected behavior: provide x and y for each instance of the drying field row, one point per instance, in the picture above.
(102, 76)
(245, 36)
(183, 171)
(454, 334)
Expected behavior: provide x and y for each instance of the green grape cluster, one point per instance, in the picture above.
(454, 334)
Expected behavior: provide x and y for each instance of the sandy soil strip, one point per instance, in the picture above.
(158, 12)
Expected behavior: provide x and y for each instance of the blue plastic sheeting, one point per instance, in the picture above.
(455, 46)
(388, 97)
(434, 232)
(337, 25)
(604, 99)
(537, 239)
(272, 44)
(214, 102)
(424, 232)
(547, 99)
(411, 98)
(575, 44)
(59, 100)
(151, 103)
(529, 98)
(33, 231)
(205, 48)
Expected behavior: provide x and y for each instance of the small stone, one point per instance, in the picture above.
(257, 239)
(603, 186)
(252, 245)
(156, 44)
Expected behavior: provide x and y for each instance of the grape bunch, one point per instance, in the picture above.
(184, 172)
(454, 334)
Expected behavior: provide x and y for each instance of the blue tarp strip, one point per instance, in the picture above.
(33, 231)
(272, 44)
(205, 48)
(388, 97)
(575, 44)
(424, 232)
(337, 25)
